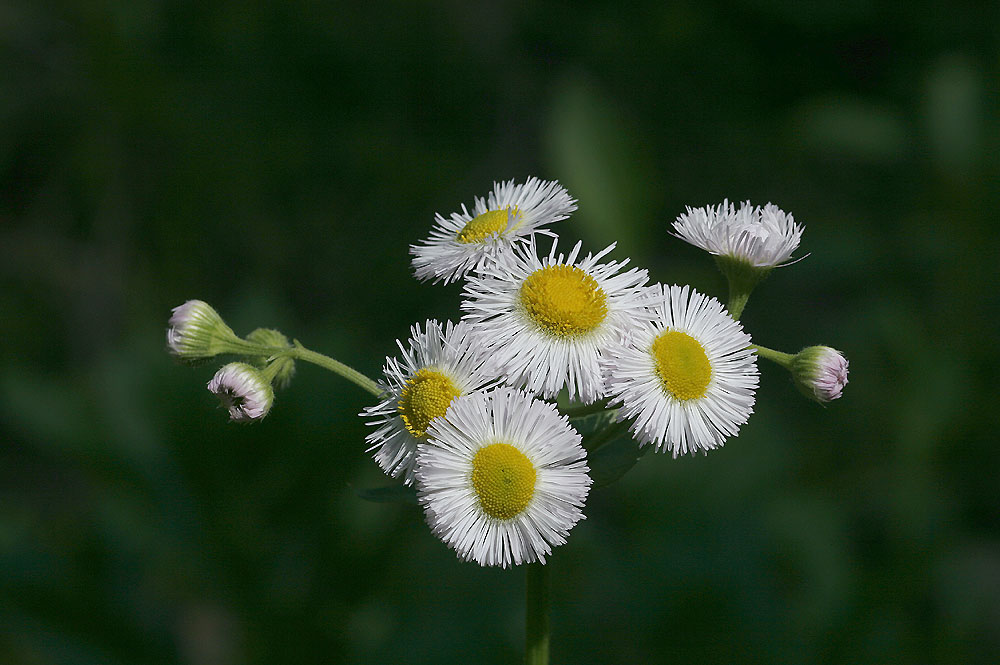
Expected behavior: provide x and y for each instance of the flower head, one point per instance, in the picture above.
(437, 366)
(545, 322)
(502, 478)
(197, 331)
(466, 241)
(687, 378)
(244, 391)
(763, 237)
(820, 372)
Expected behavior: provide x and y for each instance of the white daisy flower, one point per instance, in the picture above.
(244, 391)
(820, 372)
(502, 478)
(465, 241)
(687, 378)
(763, 237)
(437, 366)
(545, 322)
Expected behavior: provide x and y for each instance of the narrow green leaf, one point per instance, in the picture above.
(389, 494)
(595, 422)
(613, 460)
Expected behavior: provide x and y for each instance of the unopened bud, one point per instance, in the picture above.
(820, 372)
(244, 392)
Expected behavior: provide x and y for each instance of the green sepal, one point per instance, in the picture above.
(743, 277)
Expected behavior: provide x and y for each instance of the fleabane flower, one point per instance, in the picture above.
(466, 240)
(687, 378)
(502, 478)
(197, 331)
(546, 321)
(437, 365)
(761, 237)
(819, 372)
(244, 391)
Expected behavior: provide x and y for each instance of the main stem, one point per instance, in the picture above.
(536, 620)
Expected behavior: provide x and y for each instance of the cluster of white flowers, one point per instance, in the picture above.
(466, 414)
(501, 474)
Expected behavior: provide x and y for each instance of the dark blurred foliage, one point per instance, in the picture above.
(277, 159)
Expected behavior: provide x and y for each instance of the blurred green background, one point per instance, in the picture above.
(277, 158)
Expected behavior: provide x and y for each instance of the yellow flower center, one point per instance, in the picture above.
(681, 364)
(564, 300)
(424, 397)
(504, 480)
(480, 226)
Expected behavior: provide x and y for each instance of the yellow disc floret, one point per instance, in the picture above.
(564, 300)
(486, 224)
(424, 397)
(504, 480)
(681, 364)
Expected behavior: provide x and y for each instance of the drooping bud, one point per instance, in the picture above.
(244, 392)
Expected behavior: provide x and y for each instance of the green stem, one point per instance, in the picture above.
(241, 347)
(783, 359)
(271, 371)
(326, 362)
(536, 619)
(737, 301)
(595, 441)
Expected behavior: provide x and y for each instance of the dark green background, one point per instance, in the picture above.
(277, 159)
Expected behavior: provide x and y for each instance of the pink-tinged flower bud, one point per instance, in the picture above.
(197, 331)
(820, 372)
(244, 391)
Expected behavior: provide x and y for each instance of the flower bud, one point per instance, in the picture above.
(819, 372)
(282, 368)
(244, 391)
(197, 331)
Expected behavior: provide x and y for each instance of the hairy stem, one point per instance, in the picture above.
(326, 362)
(536, 620)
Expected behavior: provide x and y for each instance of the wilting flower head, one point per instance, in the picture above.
(243, 390)
(467, 240)
(820, 372)
(502, 478)
(197, 331)
(763, 237)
